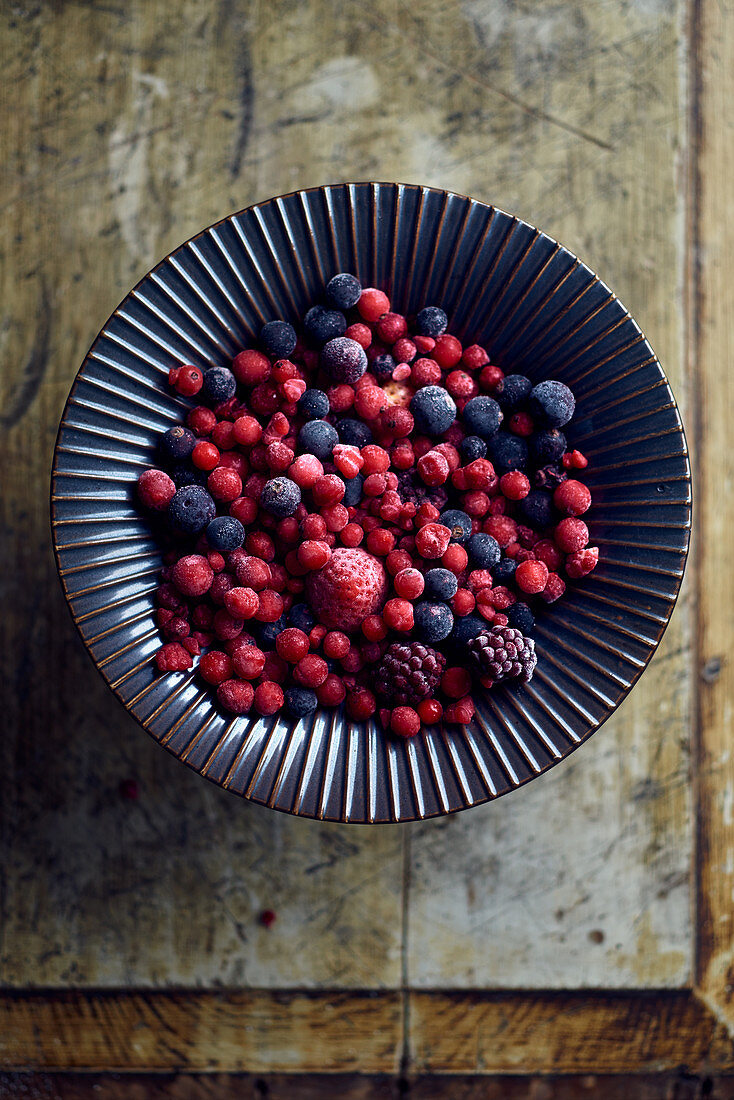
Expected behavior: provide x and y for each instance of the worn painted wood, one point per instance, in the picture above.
(712, 346)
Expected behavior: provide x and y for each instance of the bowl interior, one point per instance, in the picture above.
(539, 311)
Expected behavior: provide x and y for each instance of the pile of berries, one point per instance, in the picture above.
(357, 512)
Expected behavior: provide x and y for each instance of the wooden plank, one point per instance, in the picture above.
(66, 1086)
(257, 1032)
(712, 346)
(581, 879)
(565, 1033)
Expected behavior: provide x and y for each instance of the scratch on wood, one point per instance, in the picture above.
(32, 374)
(247, 98)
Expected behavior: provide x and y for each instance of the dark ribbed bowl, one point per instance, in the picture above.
(540, 311)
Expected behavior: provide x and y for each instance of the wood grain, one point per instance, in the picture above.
(712, 338)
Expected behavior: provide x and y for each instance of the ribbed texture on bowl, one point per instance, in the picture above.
(540, 311)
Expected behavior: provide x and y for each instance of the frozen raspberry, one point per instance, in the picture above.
(582, 562)
(193, 575)
(350, 586)
(156, 490)
(236, 696)
(571, 534)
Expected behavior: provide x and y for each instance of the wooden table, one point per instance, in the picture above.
(576, 931)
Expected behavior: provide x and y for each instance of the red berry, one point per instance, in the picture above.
(310, 671)
(155, 489)
(456, 682)
(397, 614)
(374, 628)
(490, 378)
(271, 606)
(360, 704)
(313, 555)
(172, 657)
(391, 326)
(341, 398)
(572, 497)
(460, 712)
(215, 667)
(405, 722)
(430, 711)
(268, 698)
(380, 542)
(531, 576)
(501, 528)
(409, 583)
(432, 540)
(424, 344)
(226, 626)
(521, 423)
(248, 662)
(447, 351)
(362, 334)
(328, 489)
(571, 534)
(236, 696)
(201, 420)
(574, 460)
(193, 575)
(332, 692)
(224, 484)
(461, 384)
(463, 602)
(376, 460)
(205, 456)
(348, 460)
(260, 545)
(554, 588)
(251, 367)
(292, 644)
(402, 455)
(474, 357)
(241, 603)
(455, 558)
(254, 573)
(546, 551)
(372, 304)
(336, 644)
(582, 562)
(189, 381)
(515, 485)
(479, 474)
(336, 517)
(351, 535)
(433, 468)
(425, 372)
(404, 350)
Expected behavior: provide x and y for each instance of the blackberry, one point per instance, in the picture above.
(415, 492)
(300, 701)
(354, 432)
(313, 404)
(280, 497)
(521, 617)
(433, 621)
(552, 404)
(409, 672)
(318, 437)
(278, 339)
(458, 522)
(466, 628)
(344, 360)
(177, 443)
(504, 571)
(548, 445)
(512, 390)
(537, 508)
(482, 416)
(343, 291)
(433, 409)
(191, 510)
(382, 367)
(471, 447)
(431, 321)
(508, 452)
(484, 551)
(321, 325)
(302, 616)
(352, 491)
(219, 385)
(225, 533)
(440, 584)
(504, 653)
(549, 477)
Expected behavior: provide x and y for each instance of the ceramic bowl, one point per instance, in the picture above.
(540, 311)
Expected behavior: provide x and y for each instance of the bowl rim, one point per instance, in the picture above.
(686, 528)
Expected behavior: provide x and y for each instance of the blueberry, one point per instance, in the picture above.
(482, 416)
(459, 524)
(321, 325)
(313, 404)
(512, 391)
(177, 442)
(382, 366)
(183, 473)
(280, 497)
(467, 628)
(268, 632)
(548, 445)
(354, 432)
(278, 339)
(433, 410)
(302, 616)
(433, 621)
(484, 551)
(441, 584)
(537, 508)
(191, 510)
(552, 404)
(343, 291)
(300, 702)
(225, 533)
(344, 360)
(353, 491)
(521, 617)
(318, 437)
(431, 321)
(508, 452)
(219, 385)
(504, 570)
(472, 447)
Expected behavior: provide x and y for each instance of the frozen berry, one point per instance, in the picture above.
(433, 621)
(292, 644)
(241, 603)
(433, 409)
(310, 671)
(354, 432)
(278, 339)
(251, 367)
(177, 443)
(318, 437)
(382, 366)
(456, 682)
(483, 550)
(344, 360)
(191, 510)
(520, 616)
(531, 576)
(571, 535)
(156, 490)
(215, 667)
(572, 497)
(361, 704)
(373, 303)
(431, 321)
(351, 586)
(409, 583)
(313, 404)
(581, 562)
(466, 628)
(471, 447)
(405, 722)
(504, 570)
(300, 702)
(512, 391)
(440, 584)
(268, 698)
(548, 445)
(321, 325)
(537, 508)
(173, 657)
(343, 291)
(458, 523)
(508, 452)
(432, 540)
(515, 485)
(280, 497)
(219, 385)
(236, 696)
(552, 403)
(482, 416)
(192, 575)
